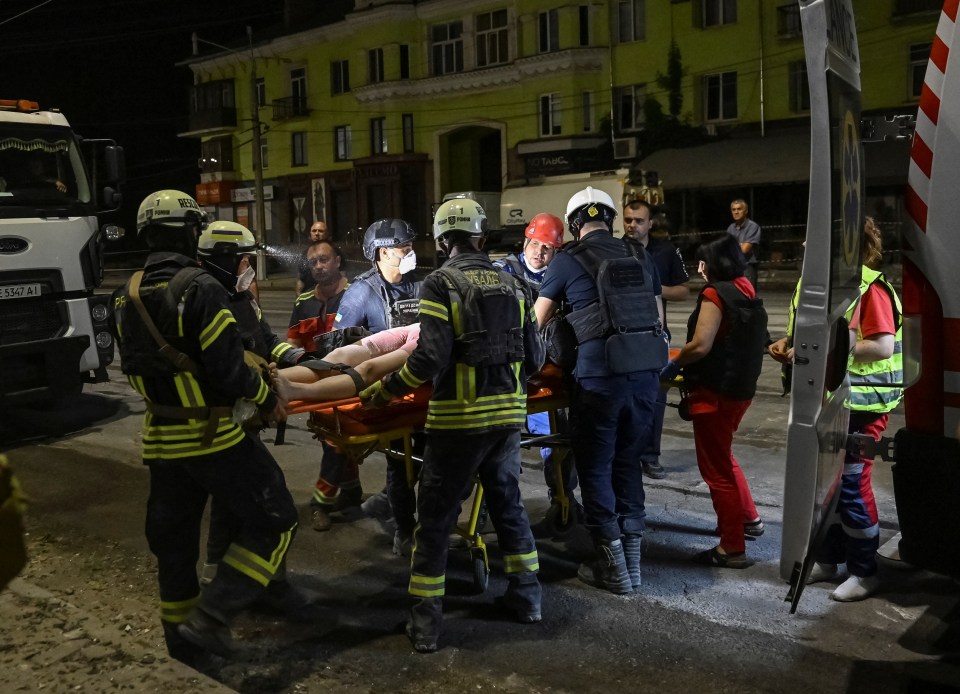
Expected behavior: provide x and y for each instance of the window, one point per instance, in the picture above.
(720, 96)
(628, 106)
(548, 31)
(216, 155)
(378, 135)
(586, 107)
(788, 20)
(298, 91)
(298, 149)
(549, 115)
(631, 20)
(404, 62)
(492, 36)
(584, 25)
(408, 144)
(264, 152)
(261, 92)
(212, 96)
(340, 77)
(375, 65)
(799, 87)
(343, 140)
(717, 12)
(919, 57)
(446, 48)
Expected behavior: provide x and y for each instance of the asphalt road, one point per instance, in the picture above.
(690, 628)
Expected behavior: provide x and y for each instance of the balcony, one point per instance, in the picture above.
(290, 107)
(210, 120)
(904, 8)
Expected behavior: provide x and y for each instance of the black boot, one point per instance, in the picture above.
(608, 570)
(295, 603)
(522, 598)
(631, 555)
(423, 628)
(205, 631)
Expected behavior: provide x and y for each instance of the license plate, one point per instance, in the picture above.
(19, 291)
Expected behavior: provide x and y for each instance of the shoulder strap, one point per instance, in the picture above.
(181, 361)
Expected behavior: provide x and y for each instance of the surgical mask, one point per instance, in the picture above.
(245, 279)
(408, 262)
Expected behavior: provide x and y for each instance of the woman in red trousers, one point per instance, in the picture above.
(721, 363)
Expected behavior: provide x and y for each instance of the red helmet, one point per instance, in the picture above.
(547, 229)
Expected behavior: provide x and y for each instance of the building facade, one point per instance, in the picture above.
(400, 102)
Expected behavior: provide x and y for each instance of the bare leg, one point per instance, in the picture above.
(337, 386)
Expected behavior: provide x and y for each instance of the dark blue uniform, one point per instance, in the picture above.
(610, 415)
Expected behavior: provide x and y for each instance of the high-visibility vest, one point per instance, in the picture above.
(877, 392)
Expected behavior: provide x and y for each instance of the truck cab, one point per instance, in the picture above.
(54, 334)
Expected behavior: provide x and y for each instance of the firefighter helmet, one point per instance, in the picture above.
(226, 238)
(169, 208)
(386, 233)
(546, 228)
(460, 214)
(589, 205)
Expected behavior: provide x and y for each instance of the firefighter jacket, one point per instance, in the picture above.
(189, 412)
(257, 335)
(877, 386)
(478, 347)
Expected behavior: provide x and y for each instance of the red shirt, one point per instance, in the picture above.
(710, 294)
(874, 315)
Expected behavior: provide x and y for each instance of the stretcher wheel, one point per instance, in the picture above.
(554, 524)
(481, 574)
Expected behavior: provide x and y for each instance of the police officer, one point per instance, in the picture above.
(386, 296)
(543, 237)
(181, 350)
(478, 342)
(612, 400)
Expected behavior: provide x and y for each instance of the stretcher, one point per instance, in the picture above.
(358, 432)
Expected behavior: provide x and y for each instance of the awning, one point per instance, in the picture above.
(779, 158)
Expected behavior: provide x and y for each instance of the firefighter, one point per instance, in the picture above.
(227, 251)
(181, 350)
(387, 296)
(621, 348)
(543, 237)
(478, 342)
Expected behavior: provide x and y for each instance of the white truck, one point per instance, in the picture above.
(54, 333)
(509, 212)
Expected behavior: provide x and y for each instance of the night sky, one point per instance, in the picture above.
(110, 66)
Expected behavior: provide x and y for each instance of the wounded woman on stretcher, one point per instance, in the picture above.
(347, 370)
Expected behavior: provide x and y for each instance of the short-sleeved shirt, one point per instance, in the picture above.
(710, 294)
(566, 279)
(312, 316)
(875, 314)
(748, 233)
(669, 263)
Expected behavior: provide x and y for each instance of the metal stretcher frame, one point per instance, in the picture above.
(358, 432)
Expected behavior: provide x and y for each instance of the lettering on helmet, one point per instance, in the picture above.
(188, 203)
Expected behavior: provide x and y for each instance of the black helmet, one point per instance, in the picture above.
(386, 233)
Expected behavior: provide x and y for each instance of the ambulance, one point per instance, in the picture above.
(54, 334)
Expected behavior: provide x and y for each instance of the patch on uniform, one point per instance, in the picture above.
(338, 318)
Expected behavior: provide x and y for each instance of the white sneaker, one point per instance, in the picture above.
(822, 572)
(856, 588)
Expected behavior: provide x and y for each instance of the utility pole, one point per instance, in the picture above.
(260, 216)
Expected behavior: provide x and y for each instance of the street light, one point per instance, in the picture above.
(260, 214)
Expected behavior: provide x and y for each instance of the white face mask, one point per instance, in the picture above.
(408, 262)
(245, 279)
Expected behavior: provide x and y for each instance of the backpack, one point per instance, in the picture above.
(625, 312)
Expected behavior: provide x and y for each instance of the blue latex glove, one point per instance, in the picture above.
(376, 395)
(670, 371)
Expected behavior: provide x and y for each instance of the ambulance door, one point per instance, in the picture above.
(829, 285)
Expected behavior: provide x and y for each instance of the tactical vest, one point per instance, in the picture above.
(140, 355)
(625, 313)
(876, 386)
(486, 307)
(733, 364)
(398, 312)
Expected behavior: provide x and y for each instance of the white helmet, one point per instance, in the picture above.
(169, 208)
(226, 238)
(460, 214)
(589, 205)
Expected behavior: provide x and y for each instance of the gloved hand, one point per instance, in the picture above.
(670, 371)
(376, 395)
